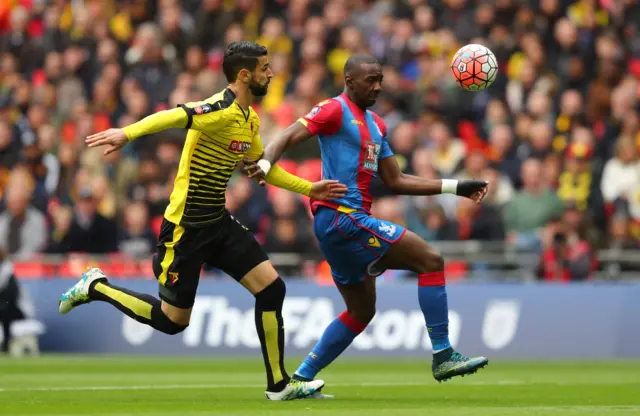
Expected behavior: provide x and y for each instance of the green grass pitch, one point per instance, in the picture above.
(98, 385)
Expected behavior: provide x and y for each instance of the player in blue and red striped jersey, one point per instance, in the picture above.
(358, 247)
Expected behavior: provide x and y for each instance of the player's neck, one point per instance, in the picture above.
(244, 97)
(363, 108)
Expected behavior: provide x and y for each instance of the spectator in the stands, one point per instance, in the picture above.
(503, 153)
(448, 151)
(531, 208)
(136, 239)
(621, 176)
(500, 187)
(479, 221)
(23, 228)
(568, 256)
(575, 184)
(431, 223)
(85, 230)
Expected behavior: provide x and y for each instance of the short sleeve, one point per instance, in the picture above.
(203, 116)
(385, 149)
(256, 150)
(324, 119)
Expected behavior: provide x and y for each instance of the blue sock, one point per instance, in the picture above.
(335, 339)
(432, 296)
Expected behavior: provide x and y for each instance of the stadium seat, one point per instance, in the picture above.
(29, 270)
(455, 270)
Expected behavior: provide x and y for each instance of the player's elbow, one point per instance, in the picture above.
(394, 183)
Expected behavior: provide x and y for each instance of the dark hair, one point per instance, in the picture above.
(241, 55)
(353, 64)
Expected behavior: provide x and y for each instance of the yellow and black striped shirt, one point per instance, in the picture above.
(221, 134)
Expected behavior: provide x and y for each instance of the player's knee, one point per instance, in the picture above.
(363, 314)
(271, 297)
(432, 262)
(172, 328)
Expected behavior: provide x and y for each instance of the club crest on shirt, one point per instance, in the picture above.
(388, 229)
(203, 109)
(372, 151)
(313, 112)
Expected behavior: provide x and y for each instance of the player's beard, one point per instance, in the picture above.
(257, 89)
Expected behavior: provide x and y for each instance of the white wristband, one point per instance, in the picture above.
(449, 186)
(265, 165)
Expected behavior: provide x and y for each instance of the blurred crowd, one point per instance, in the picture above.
(557, 135)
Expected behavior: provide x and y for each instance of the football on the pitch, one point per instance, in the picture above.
(474, 67)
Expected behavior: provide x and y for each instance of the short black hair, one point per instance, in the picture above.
(355, 62)
(241, 55)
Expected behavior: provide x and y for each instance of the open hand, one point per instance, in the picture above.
(251, 168)
(114, 139)
(474, 190)
(327, 190)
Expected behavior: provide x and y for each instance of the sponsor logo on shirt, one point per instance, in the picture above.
(358, 122)
(372, 151)
(239, 147)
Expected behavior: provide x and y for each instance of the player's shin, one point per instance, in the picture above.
(270, 327)
(335, 339)
(432, 296)
(142, 307)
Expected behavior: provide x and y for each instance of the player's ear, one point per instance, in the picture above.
(244, 75)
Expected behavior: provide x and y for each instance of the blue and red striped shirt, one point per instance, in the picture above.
(352, 142)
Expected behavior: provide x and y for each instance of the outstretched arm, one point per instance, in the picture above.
(162, 120)
(194, 115)
(401, 183)
(115, 139)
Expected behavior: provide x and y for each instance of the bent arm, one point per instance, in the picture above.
(162, 120)
(278, 176)
(292, 136)
(401, 183)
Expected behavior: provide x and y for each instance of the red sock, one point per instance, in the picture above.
(432, 279)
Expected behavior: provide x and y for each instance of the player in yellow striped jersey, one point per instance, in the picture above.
(197, 228)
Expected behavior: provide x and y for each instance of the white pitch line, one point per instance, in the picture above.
(241, 386)
(229, 386)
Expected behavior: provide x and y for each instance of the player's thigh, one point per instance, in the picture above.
(177, 266)
(411, 252)
(379, 237)
(241, 257)
(360, 298)
(344, 247)
(259, 277)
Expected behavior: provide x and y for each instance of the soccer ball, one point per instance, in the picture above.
(474, 67)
